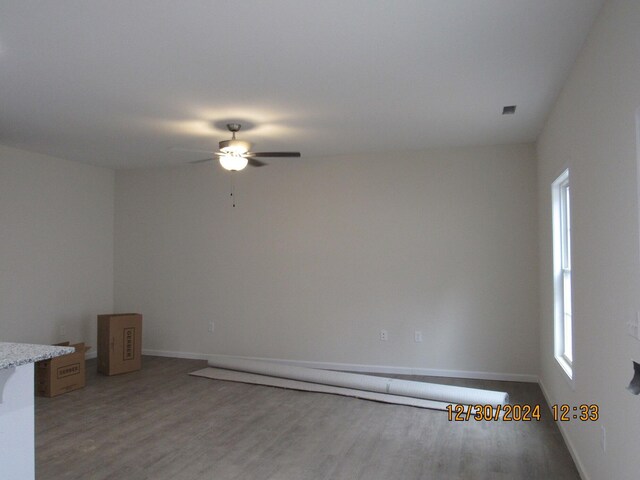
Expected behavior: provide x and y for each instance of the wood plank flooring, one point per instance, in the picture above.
(160, 423)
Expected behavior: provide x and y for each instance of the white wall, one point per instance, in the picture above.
(56, 248)
(592, 130)
(320, 254)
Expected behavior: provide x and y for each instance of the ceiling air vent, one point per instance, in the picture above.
(509, 110)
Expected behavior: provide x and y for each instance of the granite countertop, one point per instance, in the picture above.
(15, 354)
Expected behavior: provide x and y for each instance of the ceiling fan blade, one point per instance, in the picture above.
(273, 154)
(204, 160)
(256, 163)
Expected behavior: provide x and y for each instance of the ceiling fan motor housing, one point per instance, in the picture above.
(233, 146)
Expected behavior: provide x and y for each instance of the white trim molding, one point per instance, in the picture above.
(565, 435)
(360, 368)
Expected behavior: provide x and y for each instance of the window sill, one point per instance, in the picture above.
(567, 370)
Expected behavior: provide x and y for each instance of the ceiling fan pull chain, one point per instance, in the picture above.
(233, 198)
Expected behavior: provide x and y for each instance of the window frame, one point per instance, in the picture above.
(562, 275)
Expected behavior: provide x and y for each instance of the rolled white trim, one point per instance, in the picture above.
(370, 383)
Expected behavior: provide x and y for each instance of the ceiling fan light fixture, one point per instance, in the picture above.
(233, 163)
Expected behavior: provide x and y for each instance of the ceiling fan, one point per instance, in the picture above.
(235, 155)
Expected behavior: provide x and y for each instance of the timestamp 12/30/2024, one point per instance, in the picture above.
(521, 413)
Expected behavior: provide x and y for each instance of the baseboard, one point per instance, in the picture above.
(173, 354)
(354, 367)
(561, 426)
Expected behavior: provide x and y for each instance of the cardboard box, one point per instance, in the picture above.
(119, 343)
(61, 374)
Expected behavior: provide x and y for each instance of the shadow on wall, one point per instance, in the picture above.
(634, 386)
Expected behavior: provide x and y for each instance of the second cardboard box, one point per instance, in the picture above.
(119, 343)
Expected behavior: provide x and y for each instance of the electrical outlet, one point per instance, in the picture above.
(211, 326)
(418, 336)
(384, 335)
(603, 438)
(62, 330)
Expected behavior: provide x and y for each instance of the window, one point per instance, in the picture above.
(562, 272)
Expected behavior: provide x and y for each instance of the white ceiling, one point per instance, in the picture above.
(120, 82)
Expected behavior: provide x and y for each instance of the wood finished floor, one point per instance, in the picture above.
(160, 423)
